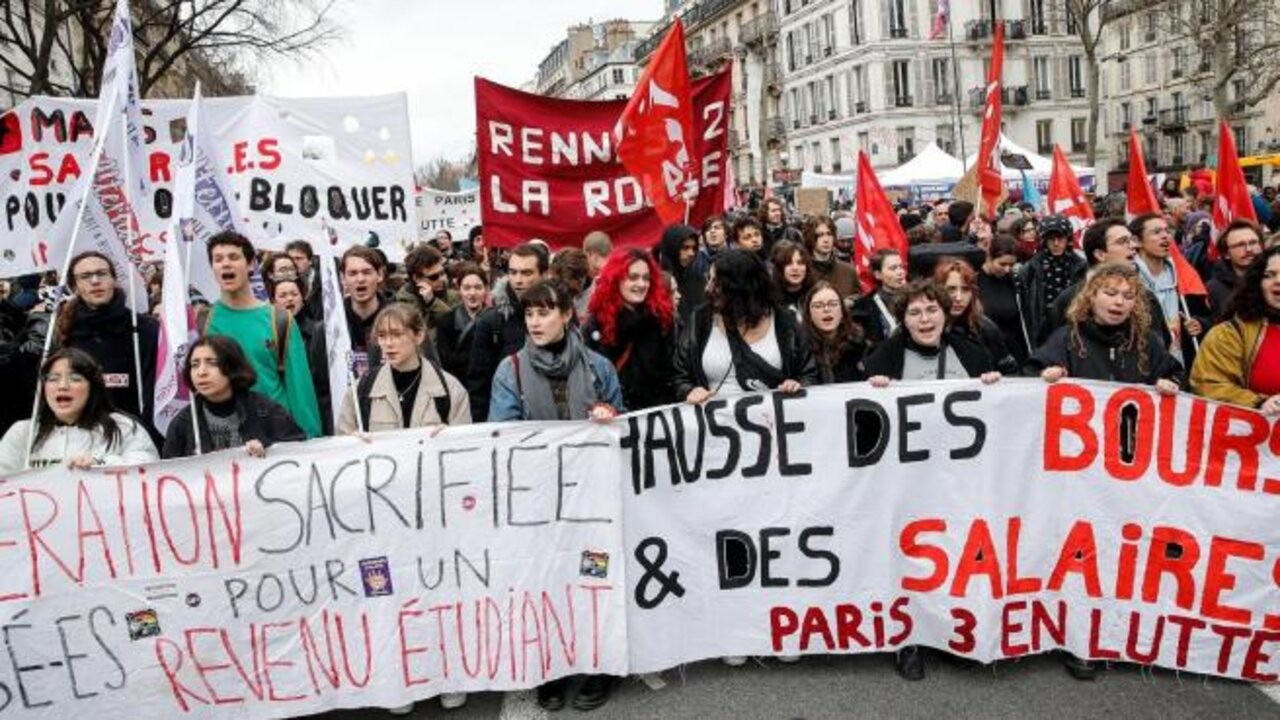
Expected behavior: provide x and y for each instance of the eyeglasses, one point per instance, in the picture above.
(828, 305)
(69, 379)
(1244, 245)
(91, 275)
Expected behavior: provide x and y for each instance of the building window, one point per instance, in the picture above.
(897, 18)
(1179, 57)
(1040, 71)
(1205, 145)
(946, 137)
(828, 35)
(797, 156)
(831, 103)
(902, 83)
(864, 143)
(1037, 17)
(791, 51)
(1150, 65)
(815, 104)
(1079, 134)
(1075, 75)
(855, 22)
(906, 143)
(836, 161)
(797, 110)
(941, 74)
(1124, 76)
(1124, 35)
(1044, 136)
(618, 77)
(1126, 116)
(816, 148)
(1151, 107)
(1073, 27)
(857, 91)
(1242, 138)
(1177, 145)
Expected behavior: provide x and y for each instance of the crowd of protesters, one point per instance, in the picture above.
(460, 332)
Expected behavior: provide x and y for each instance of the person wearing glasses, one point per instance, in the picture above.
(75, 424)
(97, 320)
(428, 287)
(1238, 245)
(836, 342)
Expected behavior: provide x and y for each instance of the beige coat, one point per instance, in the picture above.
(384, 403)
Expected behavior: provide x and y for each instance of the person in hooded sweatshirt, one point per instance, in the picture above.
(676, 253)
(1053, 269)
(98, 321)
(74, 423)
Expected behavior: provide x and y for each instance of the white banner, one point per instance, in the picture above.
(329, 574)
(292, 164)
(440, 210)
(986, 521)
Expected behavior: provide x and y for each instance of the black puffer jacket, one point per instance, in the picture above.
(642, 354)
(1222, 283)
(261, 419)
(1102, 355)
(1033, 291)
(498, 332)
(797, 357)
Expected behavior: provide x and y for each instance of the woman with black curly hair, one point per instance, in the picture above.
(740, 341)
(1239, 361)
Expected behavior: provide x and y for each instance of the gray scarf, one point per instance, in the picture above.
(536, 364)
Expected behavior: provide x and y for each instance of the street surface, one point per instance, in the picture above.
(866, 686)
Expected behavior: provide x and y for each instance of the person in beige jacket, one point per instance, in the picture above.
(407, 390)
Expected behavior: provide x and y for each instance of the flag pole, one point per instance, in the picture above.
(955, 82)
(133, 281)
(1182, 300)
(62, 276)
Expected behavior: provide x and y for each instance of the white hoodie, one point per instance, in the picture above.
(66, 442)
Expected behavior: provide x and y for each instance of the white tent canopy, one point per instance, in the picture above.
(1041, 166)
(931, 165)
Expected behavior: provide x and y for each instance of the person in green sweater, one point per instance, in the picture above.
(283, 373)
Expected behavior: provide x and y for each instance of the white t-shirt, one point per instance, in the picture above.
(717, 358)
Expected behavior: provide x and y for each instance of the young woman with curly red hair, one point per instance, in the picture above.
(632, 322)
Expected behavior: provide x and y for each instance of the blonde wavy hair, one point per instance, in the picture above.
(1080, 310)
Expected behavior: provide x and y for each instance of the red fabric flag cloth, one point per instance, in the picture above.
(990, 181)
(1140, 196)
(1141, 200)
(877, 223)
(1231, 201)
(655, 132)
(1065, 196)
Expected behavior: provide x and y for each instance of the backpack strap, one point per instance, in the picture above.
(363, 387)
(444, 403)
(280, 320)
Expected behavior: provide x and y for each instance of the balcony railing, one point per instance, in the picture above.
(1044, 148)
(978, 30)
(1017, 96)
(904, 155)
(762, 29)
(649, 44)
(897, 32)
(1175, 119)
(1120, 8)
(775, 129)
(1077, 92)
(1079, 146)
(711, 53)
(943, 98)
(903, 101)
(1044, 94)
(860, 106)
(1149, 119)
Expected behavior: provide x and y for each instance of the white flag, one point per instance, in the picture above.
(100, 213)
(336, 336)
(177, 331)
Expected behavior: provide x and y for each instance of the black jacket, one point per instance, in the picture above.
(889, 356)
(453, 345)
(1000, 306)
(988, 335)
(106, 333)
(797, 357)
(847, 366)
(1104, 357)
(498, 332)
(648, 374)
(318, 360)
(867, 315)
(261, 419)
(1033, 293)
(1222, 283)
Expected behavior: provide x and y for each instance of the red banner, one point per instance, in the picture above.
(549, 167)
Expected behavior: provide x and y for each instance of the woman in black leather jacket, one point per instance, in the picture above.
(740, 341)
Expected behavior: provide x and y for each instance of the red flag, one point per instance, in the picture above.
(878, 225)
(655, 133)
(1065, 196)
(1231, 201)
(1140, 196)
(1141, 200)
(990, 182)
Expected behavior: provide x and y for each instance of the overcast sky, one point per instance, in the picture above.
(432, 50)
